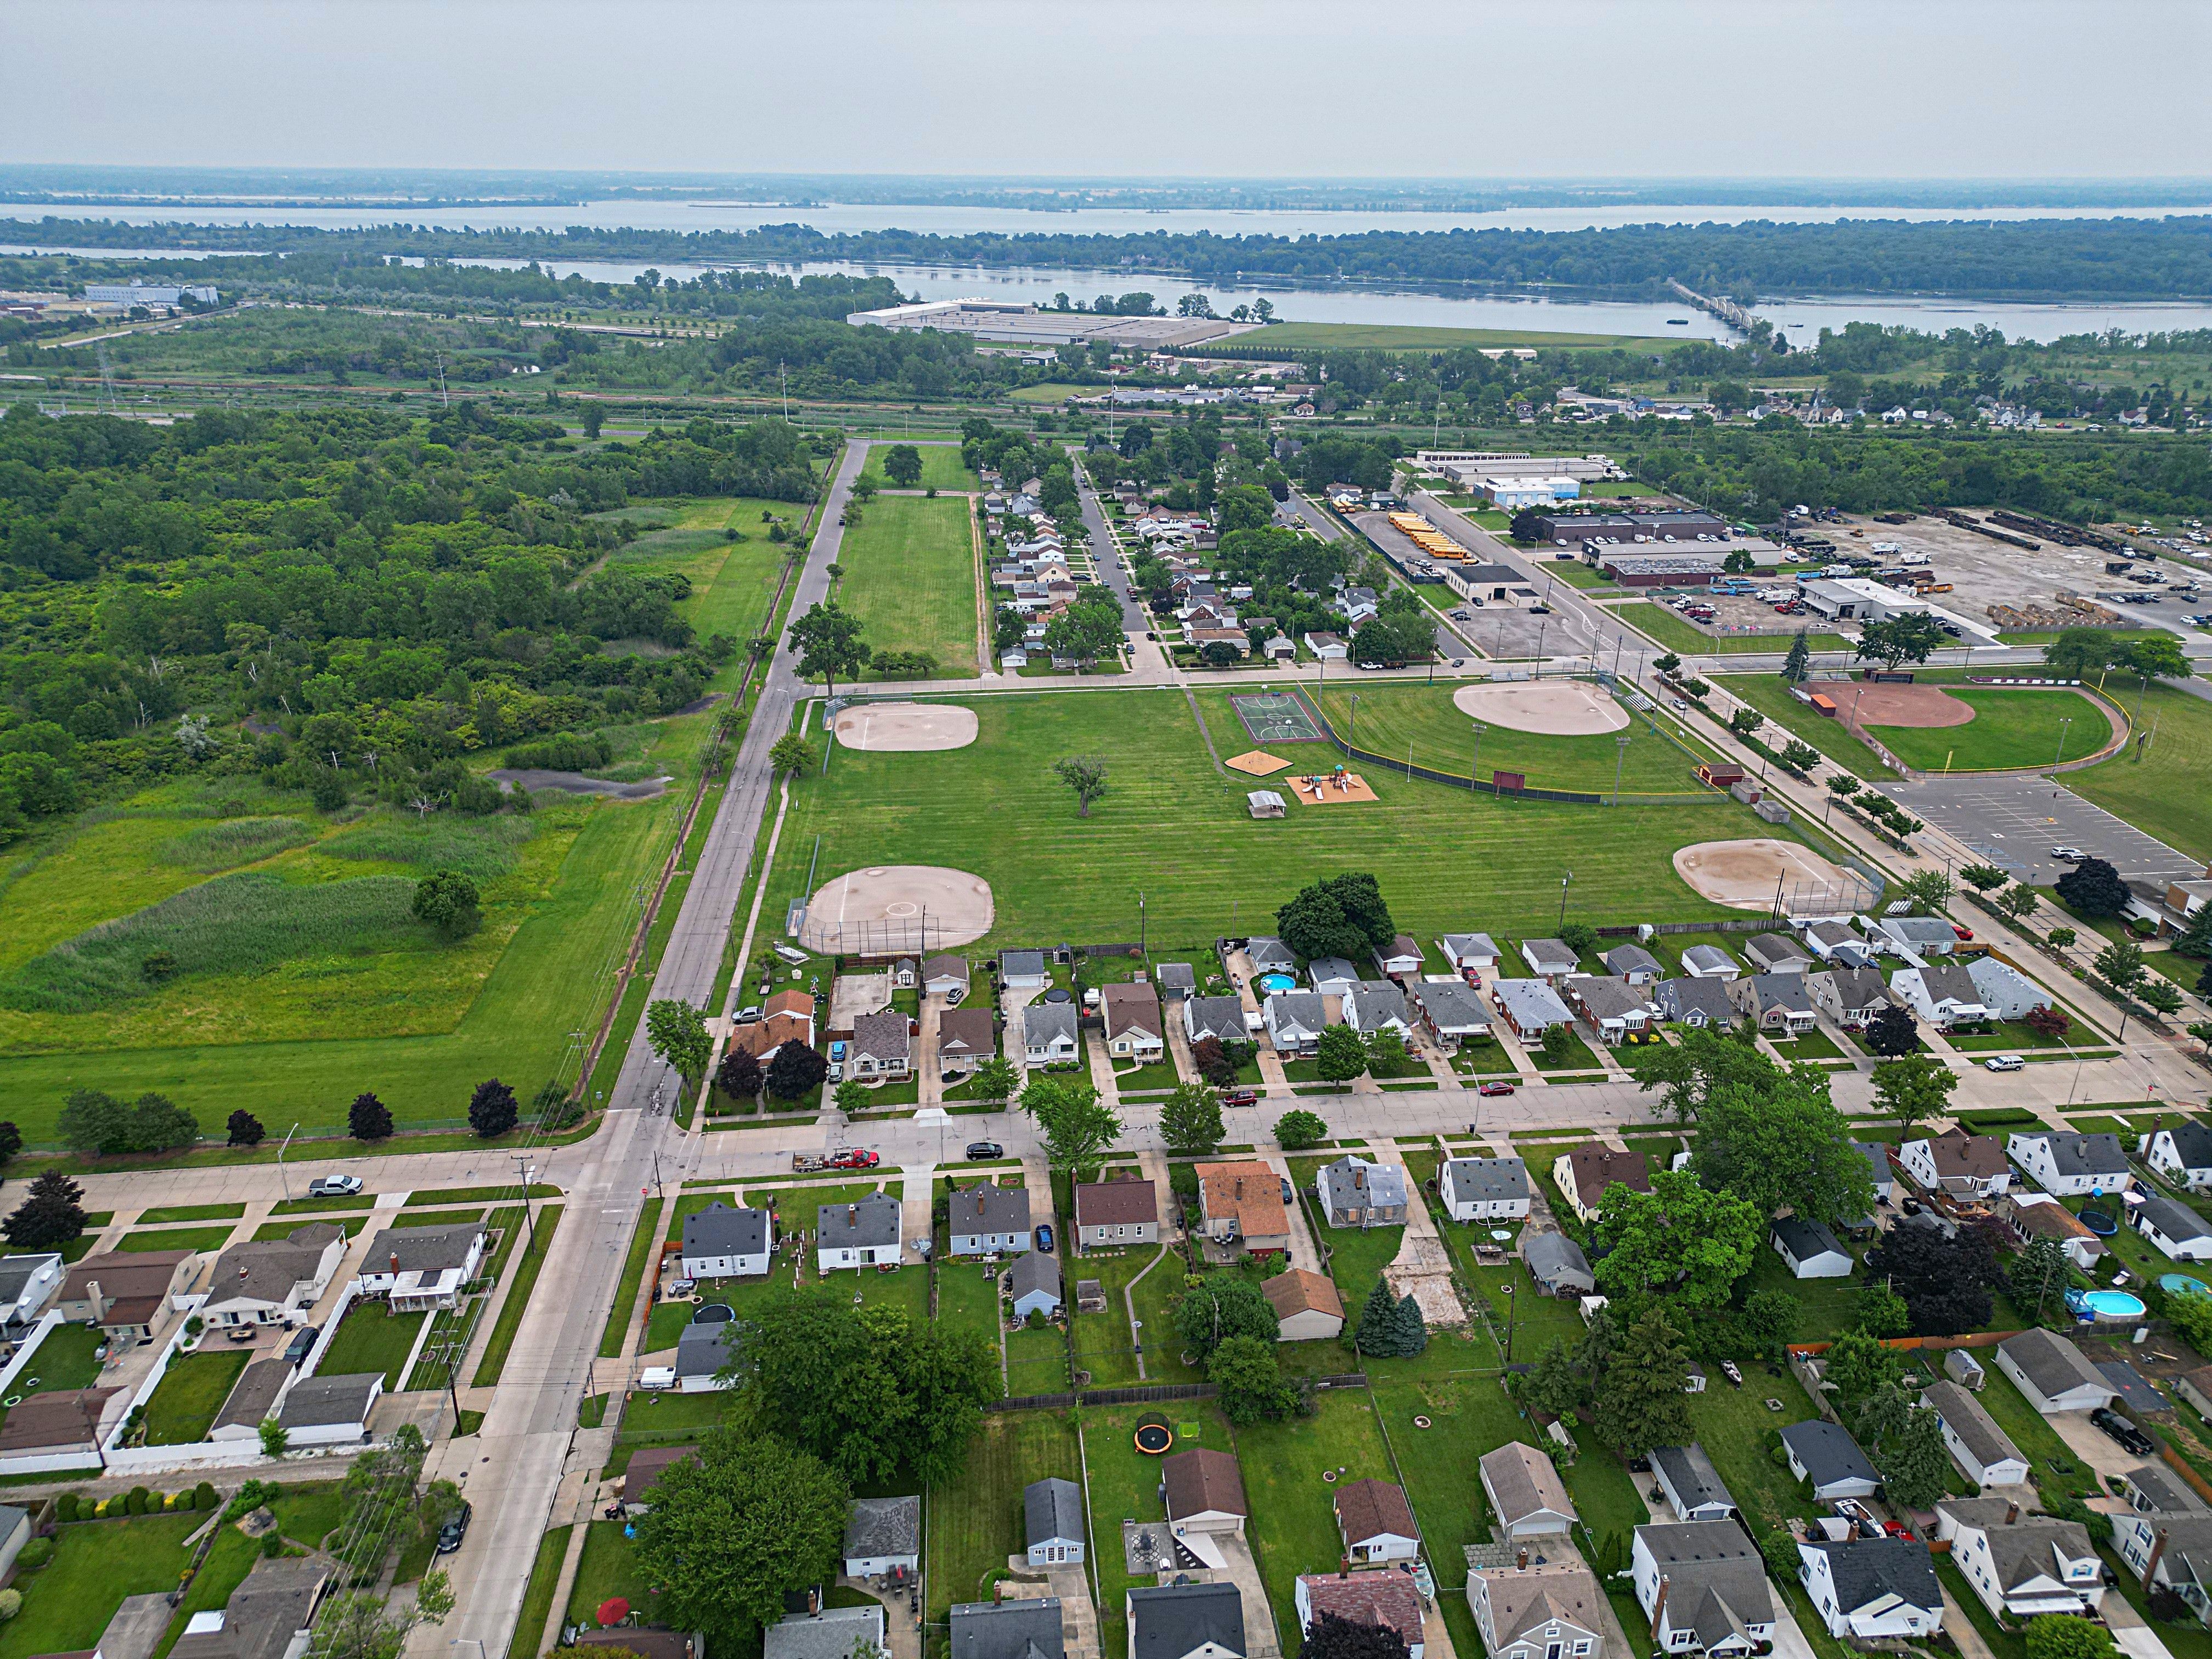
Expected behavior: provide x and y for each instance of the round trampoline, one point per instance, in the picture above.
(1154, 1435)
(2100, 1223)
(714, 1313)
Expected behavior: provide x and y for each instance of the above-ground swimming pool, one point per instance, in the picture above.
(2112, 1305)
(1271, 983)
(2183, 1284)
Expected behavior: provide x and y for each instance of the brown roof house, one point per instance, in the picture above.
(1528, 1608)
(1111, 1212)
(1583, 1174)
(786, 1016)
(1385, 1599)
(1375, 1522)
(57, 1430)
(1307, 1305)
(268, 1281)
(1970, 1167)
(1525, 1491)
(1134, 1029)
(128, 1293)
(646, 1467)
(966, 1037)
(1203, 1491)
(1241, 1208)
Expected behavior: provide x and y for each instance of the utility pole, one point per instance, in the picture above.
(1564, 880)
(522, 1172)
(285, 1179)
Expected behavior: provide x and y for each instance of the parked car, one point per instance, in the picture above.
(2004, 1062)
(854, 1157)
(301, 1345)
(2068, 854)
(750, 1014)
(1044, 1239)
(2130, 1437)
(1240, 1097)
(1963, 932)
(1496, 1086)
(1289, 1197)
(1910, 1205)
(1541, 610)
(333, 1186)
(981, 1149)
(455, 1529)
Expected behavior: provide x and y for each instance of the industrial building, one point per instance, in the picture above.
(1021, 324)
(147, 293)
(1512, 494)
(1854, 599)
(1472, 466)
(1568, 529)
(1637, 570)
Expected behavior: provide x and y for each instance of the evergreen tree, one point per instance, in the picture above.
(50, 1216)
(2039, 1272)
(1799, 662)
(1555, 1384)
(2196, 939)
(1640, 1395)
(1409, 1330)
(370, 1119)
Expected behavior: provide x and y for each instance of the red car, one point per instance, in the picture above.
(1897, 1529)
(1495, 1088)
(854, 1157)
(1240, 1097)
(1963, 932)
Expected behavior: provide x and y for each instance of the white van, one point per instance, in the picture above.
(1915, 559)
(657, 1378)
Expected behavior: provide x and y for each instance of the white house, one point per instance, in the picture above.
(1332, 976)
(1702, 1584)
(1535, 1605)
(1964, 1165)
(1810, 1248)
(1526, 1493)
(2052, 1373)
(1825, 1454)
(1944, 995)
(2020, 1564)
(331, 1411)
(2169, 1549)
(1295, 1020)
(1377, 1006)
(419, 1267)
(722, 1242)
(1327, 648)
(862, 1235)
(1052, 1510)
(1549, 959)
(1401, 957)
(1050, 1034)
(266, 1281)
(2069, 1164)
(1024, 970)
(1709, 962)
(1984, 1452)
(1873, 1588)
(1484, 1188)
(1478, 951)
(2183, 1155)
(986, 1220)
(883, 1535)
(2005, 990)
(2176, 1229)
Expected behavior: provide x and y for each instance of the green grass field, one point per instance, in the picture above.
(976, 1522)
(184, 1404)
(371, 1337)
(910, 578)
(68, 1603)
(1659, 624)
(2167, 793)
(941, 467)
(2009, 729)
(179, 1238)
(1423, 721)
(1770, 696)
(1176, 830)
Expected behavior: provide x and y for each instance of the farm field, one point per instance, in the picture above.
(1394, 720)
(941, 466)
(2009, 729)
(1770, 696)
(1671, 631)
(2168, 793)
(1175, 829)
(910, 578)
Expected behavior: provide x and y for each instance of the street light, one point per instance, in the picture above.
(2064, 721)
(1619, 759)
(1564, 880)
(1476, 769)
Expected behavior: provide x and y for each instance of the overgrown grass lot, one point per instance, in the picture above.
(910, 578)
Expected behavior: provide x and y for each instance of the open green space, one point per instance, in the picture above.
(2167, 792)
(179, 1238)
(63, 1360)
(371, 1337)
(2010, 729)
(1769, 695)
(350, 1226)
(975, 1520)
(643, 1243)
(1292, 1526)
(492, 1195)
(97, 1564)
(518, 1297)
(1102, 1340)
(1174, 828)
(191, 1213)
(1123, 1484)
(910, 578)
(1657, 622)
(941, 467)
(1394, 720)
(182, 1407)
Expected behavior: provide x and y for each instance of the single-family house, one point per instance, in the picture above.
(703, 1354)
(1053, 1520)
(1619, 1011)
(1203, 1491)
(1702, 1584)
(2196, 1386)
(1177, 981)
(1809, 1250)
(1825, 1454)
(252, 1400)
(2176, 1229)
(946, 975)
(1872, 1589)
(1557, 1265)
(881, 1046)
(1984, 1452)
(1110, 1214)
(988, 1220)
(1484, 1188)
(862, 1235)
(328, 1411)
(1023, 970)
(1028, 1628)
(1295, 1020)
(1852, 997)
(1357, 1194)
(1385, 1599)
(1915, 937)
(966, 1037)
(28, 1284)
(59, 1429)
(1967, 1166)
(1451, 1012)
(1549, 959)
(1709, 962)
(269, 1616)
(1241, 1206)
(1034, 1282)
(1942, 993)
(1375, 1522)
(2153, 1488)
(1185, 1621)
(2020, 1564)
(1778, 1004)
(1526, 1494)
(1634, 964)
(1825, 937)
(2052, 1373)
(1469, 952)
(129, 1294)
(1696, 1003)
(1402, 956)
(1306, 1304)
(1583, 1174)
(883, 1535)
(1051, 1035)
(2039, 1215)
(646, 1465)
(786, 1016)
(1530, 1006)
(819, 1633)
(1775, 953)
(2070, 1164)
(1134, 1029)
(1528, 1607)
(1332, 976)
(2006, 992)
(273, 1281)
(1375, 1005)
(2182, 1154)
(2169, 1550)
(1692, 1484)
(1876, 1154)
(420, 1268)
(1269, 955)
(1221, 1018)
(723, 1242)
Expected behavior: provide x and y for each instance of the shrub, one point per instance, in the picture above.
(135, 1502)
(205, 1498)
(65, 1507)
(564, 752)
(11, 1603)
(35, 1554)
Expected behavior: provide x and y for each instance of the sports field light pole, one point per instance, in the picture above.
(2064, 721)
(1475, 769)
(1619, 759)
(1564, 880)
(1354, 739)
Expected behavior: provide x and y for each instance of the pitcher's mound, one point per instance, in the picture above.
(1744, 875)
(907, 727)
(909, 908)
(1559, 707)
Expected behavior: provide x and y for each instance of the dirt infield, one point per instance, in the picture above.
(1745, 874)
(1905, 705)
(898, 907)
(1256, 762)
(906, 727)
(1556, 708)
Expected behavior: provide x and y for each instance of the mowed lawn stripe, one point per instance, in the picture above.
(910, 578)
(2009, 729)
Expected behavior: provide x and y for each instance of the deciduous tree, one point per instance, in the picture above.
(1894, 1032)
(795, 1069)
(739, 1076)
(1250, 1380)
(1333, 1637)
(1086, 775)
(1214, 1307)
(678, 1035)
(245, 1129)
(1190, 1121)
(1079, 1128)
(1945, 1283)
(828, 642)
(903, 465)
(1344, 916)
(1680, 1239)
(447, 901)
(2094, 888)
(1912, 1088)
(791, 755)
(1782, 1146)
(1340, 1054)
(1295, 1131)
(492, 1109)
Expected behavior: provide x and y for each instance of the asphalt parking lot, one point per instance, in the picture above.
(2014, 822)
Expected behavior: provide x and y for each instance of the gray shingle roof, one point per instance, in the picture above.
(420, 1250)
(1866, 1570)
(1489, 1179)
(1457, 1006)
(325, 1401)
(1606, 996)
(987, 1207)
(1377, 1004)
(1167, 1621)
(1692, 1475)
(2087, 1155)
(833, 1633)
(2192, 1143)
(1631, 959)
(1021, 964)
(1045, 1022)
(1787, 991)
(2052, 1363)
(1530, 1003)
(1719, 1579)
(1709, 958)
(1220, 1017)
(1555, 1260)
(1267, 951)
(1548, 956)
(720, 1229)
(873, 1221)
(1826, 1452)
(704, 1350)
(1805, 1239)
(883, 1525)
(1678, 999)
(1035, 1270)
(1325, 970)
(1967, 1417)
(2177, 1221)
(1051, 1509)
(1032, 1629)
(1353, 1184)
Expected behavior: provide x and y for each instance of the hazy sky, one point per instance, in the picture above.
(1944, 89)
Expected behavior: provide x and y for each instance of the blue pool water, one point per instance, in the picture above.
(1271, 983)
(2105, 1305)
(2183, 1284)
